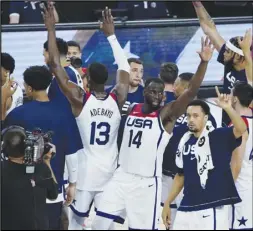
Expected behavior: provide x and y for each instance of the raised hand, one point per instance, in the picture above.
(107, 24)
(246, 41)
(8, 89)
(48, 16)
(224, 100)
(207, 49)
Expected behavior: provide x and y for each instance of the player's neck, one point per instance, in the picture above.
(239, 66)
(132, 89)
(168, 87)
(40, 96)
(98, 89)
(243, 111)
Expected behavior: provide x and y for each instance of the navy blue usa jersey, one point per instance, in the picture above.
(220, 188)
(169, 165)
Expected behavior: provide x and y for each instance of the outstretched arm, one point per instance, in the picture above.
(72, 91)
(175, 109)
(122, 85)
(245, 45)
(208, 26)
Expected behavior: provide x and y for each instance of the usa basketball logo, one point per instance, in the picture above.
(202, 141)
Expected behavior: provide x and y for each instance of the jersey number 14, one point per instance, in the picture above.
(135, 139)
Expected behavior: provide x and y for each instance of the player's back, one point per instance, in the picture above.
(244, 180)
(143, 143)
(98, 125)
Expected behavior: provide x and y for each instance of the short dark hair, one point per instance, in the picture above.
(7, 62)
(98, 73)
(14, 142)
(202, 104)
(38, 77)
(169, 72)
(186, 76)
(134, 60)
(153, 80)
(61, 45)
(72, 43)
(244, 92)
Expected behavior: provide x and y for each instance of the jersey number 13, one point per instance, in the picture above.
(103, 136)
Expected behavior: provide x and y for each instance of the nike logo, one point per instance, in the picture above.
(206, 216)
(192, 158)
(150, 185)
(25, 7)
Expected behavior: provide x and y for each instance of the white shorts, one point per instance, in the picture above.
(83, 201)
(240, 216)
(209, 219)
(139, 197)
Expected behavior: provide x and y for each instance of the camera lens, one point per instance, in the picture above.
(76, 62)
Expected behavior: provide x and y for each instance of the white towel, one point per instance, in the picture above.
(202, 153)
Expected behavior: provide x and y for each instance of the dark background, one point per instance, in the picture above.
(84, 11)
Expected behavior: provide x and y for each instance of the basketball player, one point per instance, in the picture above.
(241, 164)
(230, 54)
(169, 166)
(7, 68)
(203, 161)
(97, 114)
(135, 92)
(168, 74)
(136, 184)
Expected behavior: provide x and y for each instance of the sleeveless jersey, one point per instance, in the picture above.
(143, 143)
(98, 125)
(244, 180)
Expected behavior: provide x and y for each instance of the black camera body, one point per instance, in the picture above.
(36, 146)
(76, 62)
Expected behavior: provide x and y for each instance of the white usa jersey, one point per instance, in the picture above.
(143, 143)
(98, 125)
(244, 180)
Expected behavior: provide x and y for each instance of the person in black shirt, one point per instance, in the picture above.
(24, 195)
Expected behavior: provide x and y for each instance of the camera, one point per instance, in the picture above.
(76, 62)
(36, 146)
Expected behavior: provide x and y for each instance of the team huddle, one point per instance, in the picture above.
(129, 152)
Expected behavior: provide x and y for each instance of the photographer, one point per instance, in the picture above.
(24, 194)
(48, 115)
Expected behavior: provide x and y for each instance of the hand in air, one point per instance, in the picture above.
(48, 15)
(107, 24)
(207, 49)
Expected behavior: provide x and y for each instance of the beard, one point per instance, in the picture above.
(194, 130)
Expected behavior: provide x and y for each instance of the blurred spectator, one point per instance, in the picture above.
(27, 12)
(145, 9)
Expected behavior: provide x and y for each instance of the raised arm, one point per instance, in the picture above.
(208, 26)
(122, 82)
(245, 45)
(224, 101)
(72, 91)
(7, 90)
(175, 109)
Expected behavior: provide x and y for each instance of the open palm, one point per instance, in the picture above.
(207, 49)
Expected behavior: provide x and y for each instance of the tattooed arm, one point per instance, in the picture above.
(208, 26)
